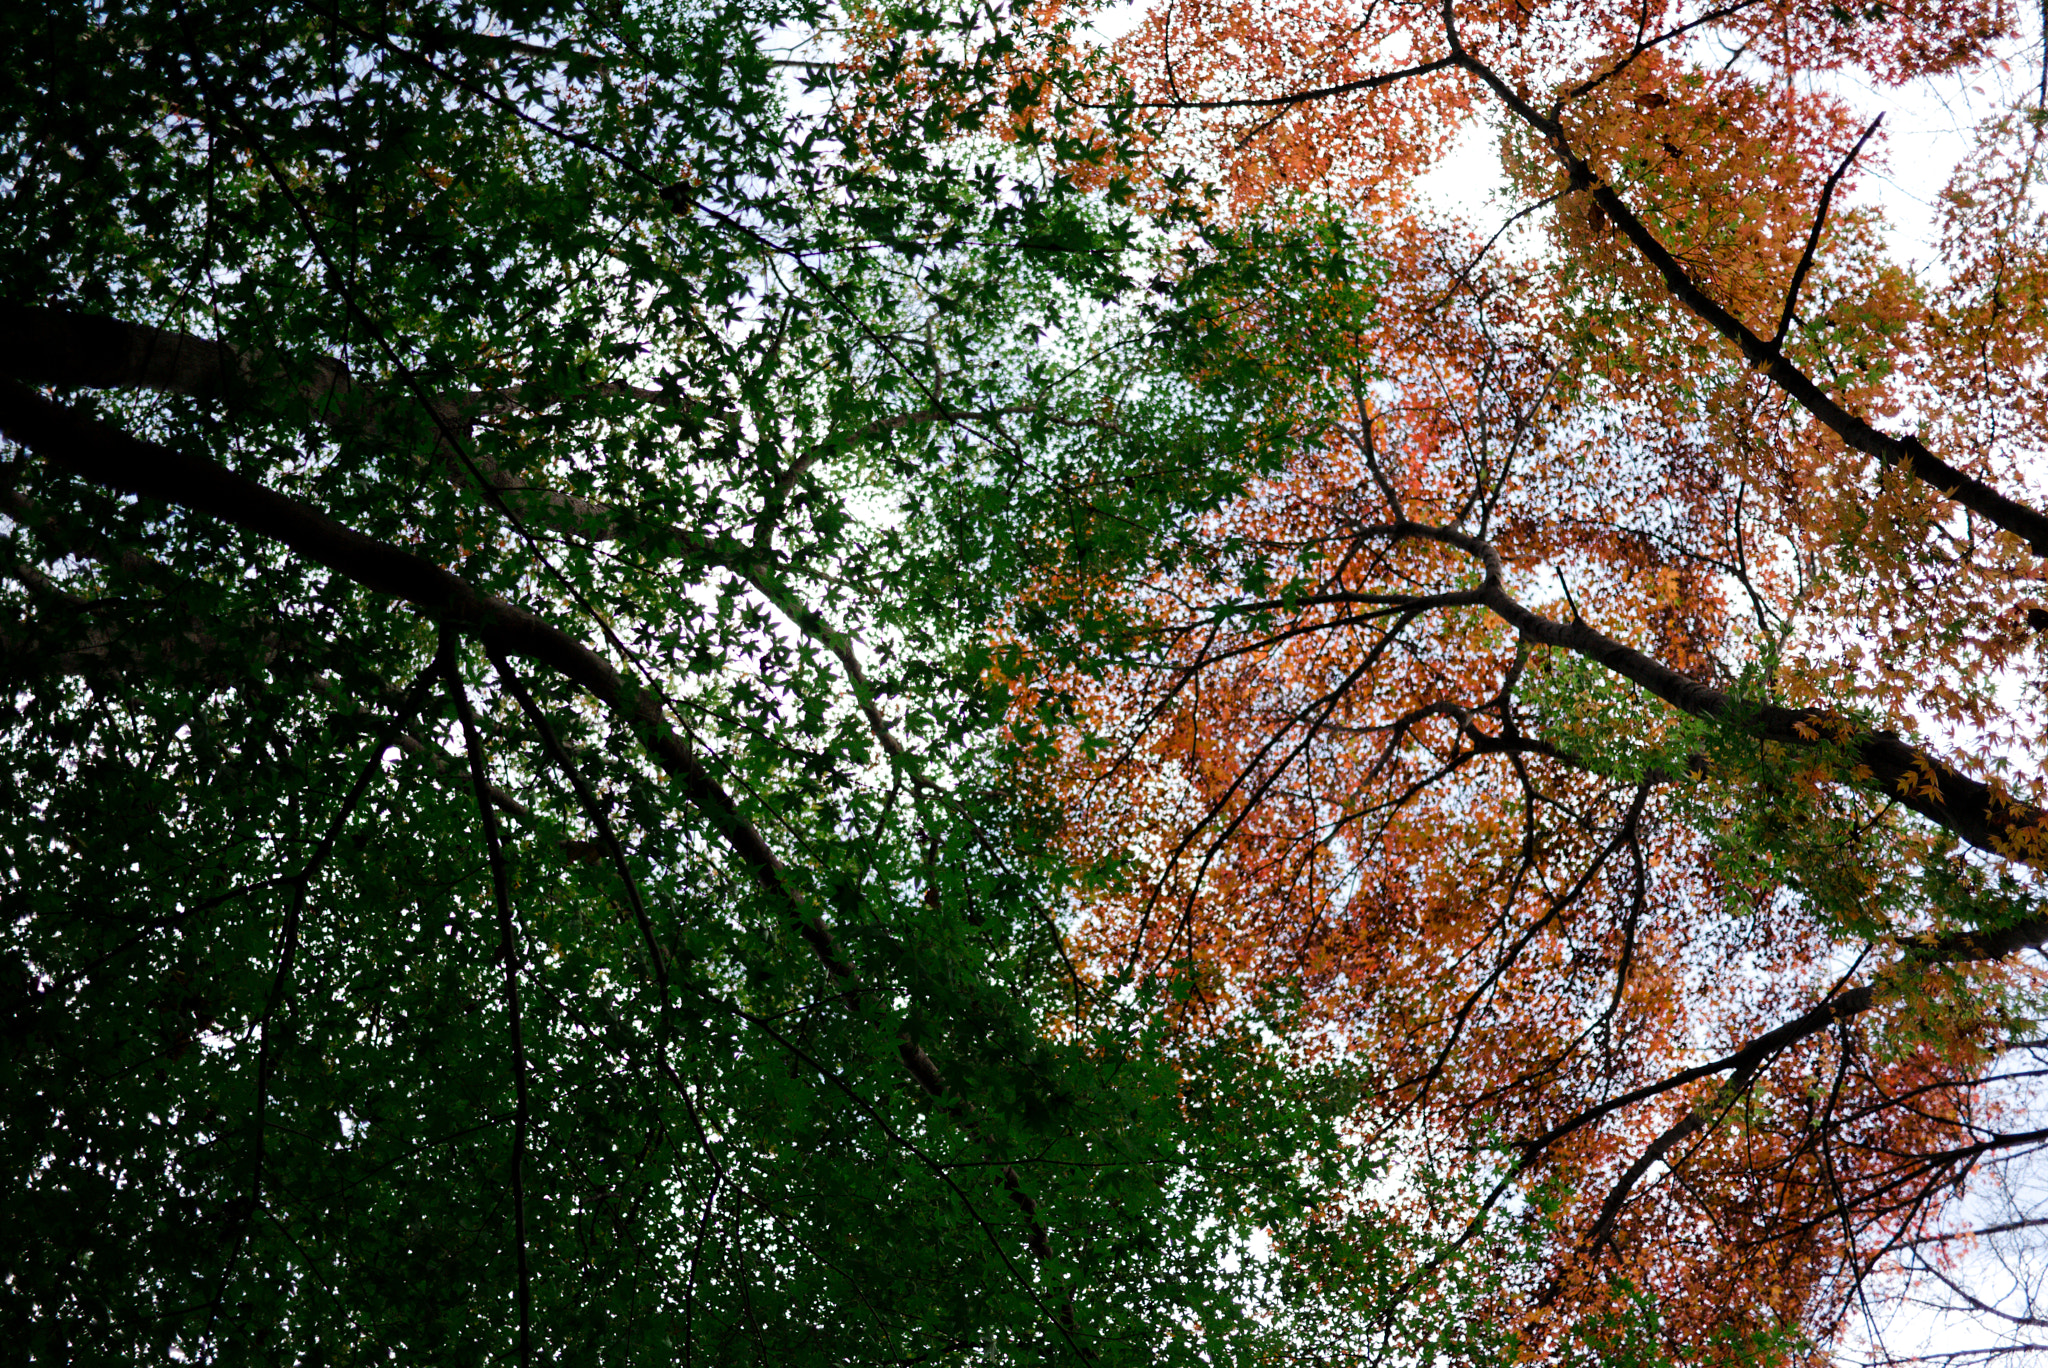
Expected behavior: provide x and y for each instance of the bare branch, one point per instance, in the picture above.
(1820, 218)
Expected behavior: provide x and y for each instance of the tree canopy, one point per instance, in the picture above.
(763, 682)
(1622, 715)
(507, 853)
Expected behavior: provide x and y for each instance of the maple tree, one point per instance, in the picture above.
(1615, 710)
(507, 855)
(753, 681)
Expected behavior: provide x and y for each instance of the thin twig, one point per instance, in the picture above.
(288, 944)
(508, 957)
(1385, 78)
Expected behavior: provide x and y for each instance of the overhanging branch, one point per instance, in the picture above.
(115, 460)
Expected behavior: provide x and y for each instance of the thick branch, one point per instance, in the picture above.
(58, 347)
(106, 352)
(1908, 453)
(115, 460)
(1904, 773)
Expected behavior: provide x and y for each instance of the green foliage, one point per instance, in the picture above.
(737, 376)
(1606, 722)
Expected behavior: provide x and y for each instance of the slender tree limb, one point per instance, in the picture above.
(1972, 809)
(107, 644)
(1385, 78)
(63, 348)
(1820, 218)
(299, 888)
(508, 960)
(106, 456)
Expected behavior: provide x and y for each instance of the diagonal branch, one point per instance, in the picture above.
(1907, 453)
(1820, 218)
(1906, 774)
(1385, 78)
(113, 459)
(63, 348)
(105, 456)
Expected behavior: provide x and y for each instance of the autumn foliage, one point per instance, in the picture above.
(1619, 719)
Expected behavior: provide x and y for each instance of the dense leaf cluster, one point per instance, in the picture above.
(378, 987)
